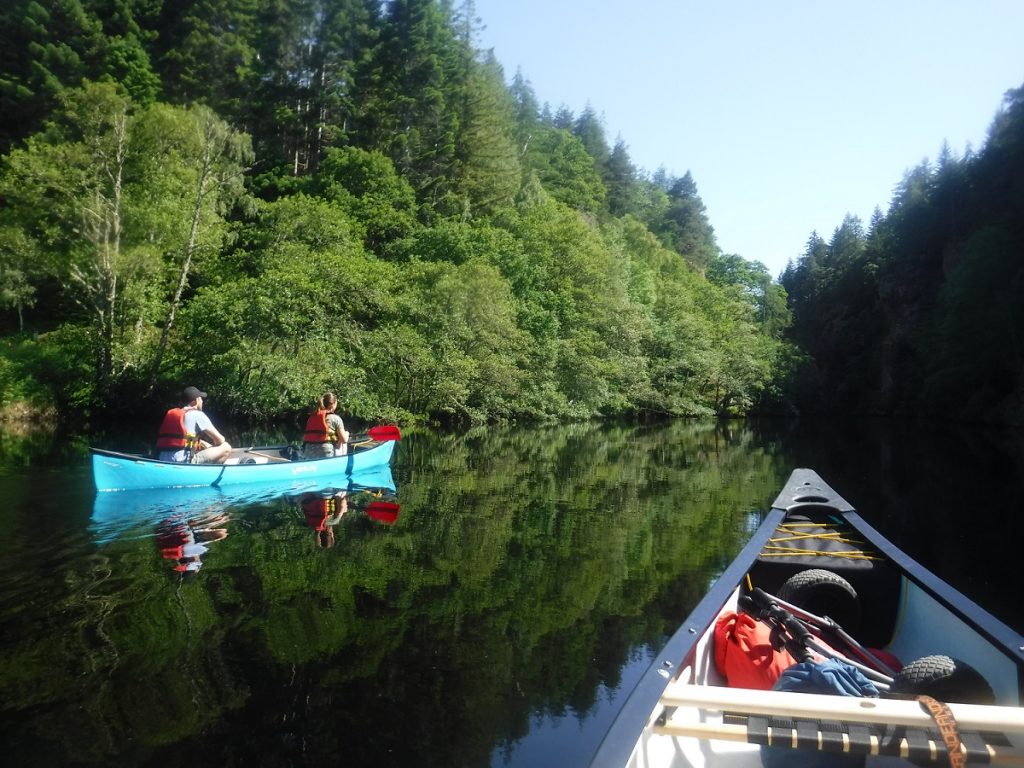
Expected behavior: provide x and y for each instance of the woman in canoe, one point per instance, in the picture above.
(325, 431)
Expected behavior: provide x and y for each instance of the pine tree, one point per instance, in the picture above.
(489, 171)
(684, 227)
(205, 53)
(526, 108)
(621, 181)
(407, 98)
(589, 129)
(49, 46)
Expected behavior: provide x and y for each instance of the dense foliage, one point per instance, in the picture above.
(270, 198)
(923, 313)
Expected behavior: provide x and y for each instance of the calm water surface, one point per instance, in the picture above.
(489, 602)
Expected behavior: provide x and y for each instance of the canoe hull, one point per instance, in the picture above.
(114, 471)
(661, 725)
(120, 511)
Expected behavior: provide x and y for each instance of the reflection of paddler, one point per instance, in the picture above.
(184, 541)
(322, 513)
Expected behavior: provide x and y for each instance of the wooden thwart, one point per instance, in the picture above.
(849, 709)
(277, 459)
(829, 723)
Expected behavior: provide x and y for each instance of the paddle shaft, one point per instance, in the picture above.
(799, 638)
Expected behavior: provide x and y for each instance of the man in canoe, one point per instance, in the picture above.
(325, 431)
(188, 435)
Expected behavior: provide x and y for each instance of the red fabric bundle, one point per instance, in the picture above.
(744, 653)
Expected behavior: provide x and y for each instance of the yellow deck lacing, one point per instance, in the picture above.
(792, 533)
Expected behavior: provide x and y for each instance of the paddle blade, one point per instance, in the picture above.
(384, 432)
(382, 511)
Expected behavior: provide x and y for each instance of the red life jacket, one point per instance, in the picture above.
(316, 429)
(172, 432)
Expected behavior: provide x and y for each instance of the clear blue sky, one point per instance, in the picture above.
(788, 113)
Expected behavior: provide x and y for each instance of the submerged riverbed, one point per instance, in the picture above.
(492, 605)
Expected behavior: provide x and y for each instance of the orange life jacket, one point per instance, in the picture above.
(317, 430)
(173, 434)
(317, 510)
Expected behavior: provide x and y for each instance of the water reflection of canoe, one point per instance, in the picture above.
(711, 697)
(114, 513)
(114, 471)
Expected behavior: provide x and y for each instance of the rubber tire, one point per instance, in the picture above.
(944, 678)
(824, 593)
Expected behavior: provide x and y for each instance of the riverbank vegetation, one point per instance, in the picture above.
(276, 199)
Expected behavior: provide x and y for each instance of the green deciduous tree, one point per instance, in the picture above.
(565, 169)
(367, 186)
(81, 168)
(18, 256)
(298, 320)
(132, 193)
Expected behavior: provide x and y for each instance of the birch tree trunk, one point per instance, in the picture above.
(220, 152)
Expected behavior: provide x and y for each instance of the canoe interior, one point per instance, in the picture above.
(903, 609)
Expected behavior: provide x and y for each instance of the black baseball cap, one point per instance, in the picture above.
(191, 393)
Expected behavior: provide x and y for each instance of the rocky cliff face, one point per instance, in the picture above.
(980, 361)
(908, 294)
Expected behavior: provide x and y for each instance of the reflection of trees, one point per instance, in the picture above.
(526, 567)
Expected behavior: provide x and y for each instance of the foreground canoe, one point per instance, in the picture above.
(114, 471)
(813, 554)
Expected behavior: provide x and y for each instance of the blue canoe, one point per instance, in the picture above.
(116, 513)
(113, 471)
